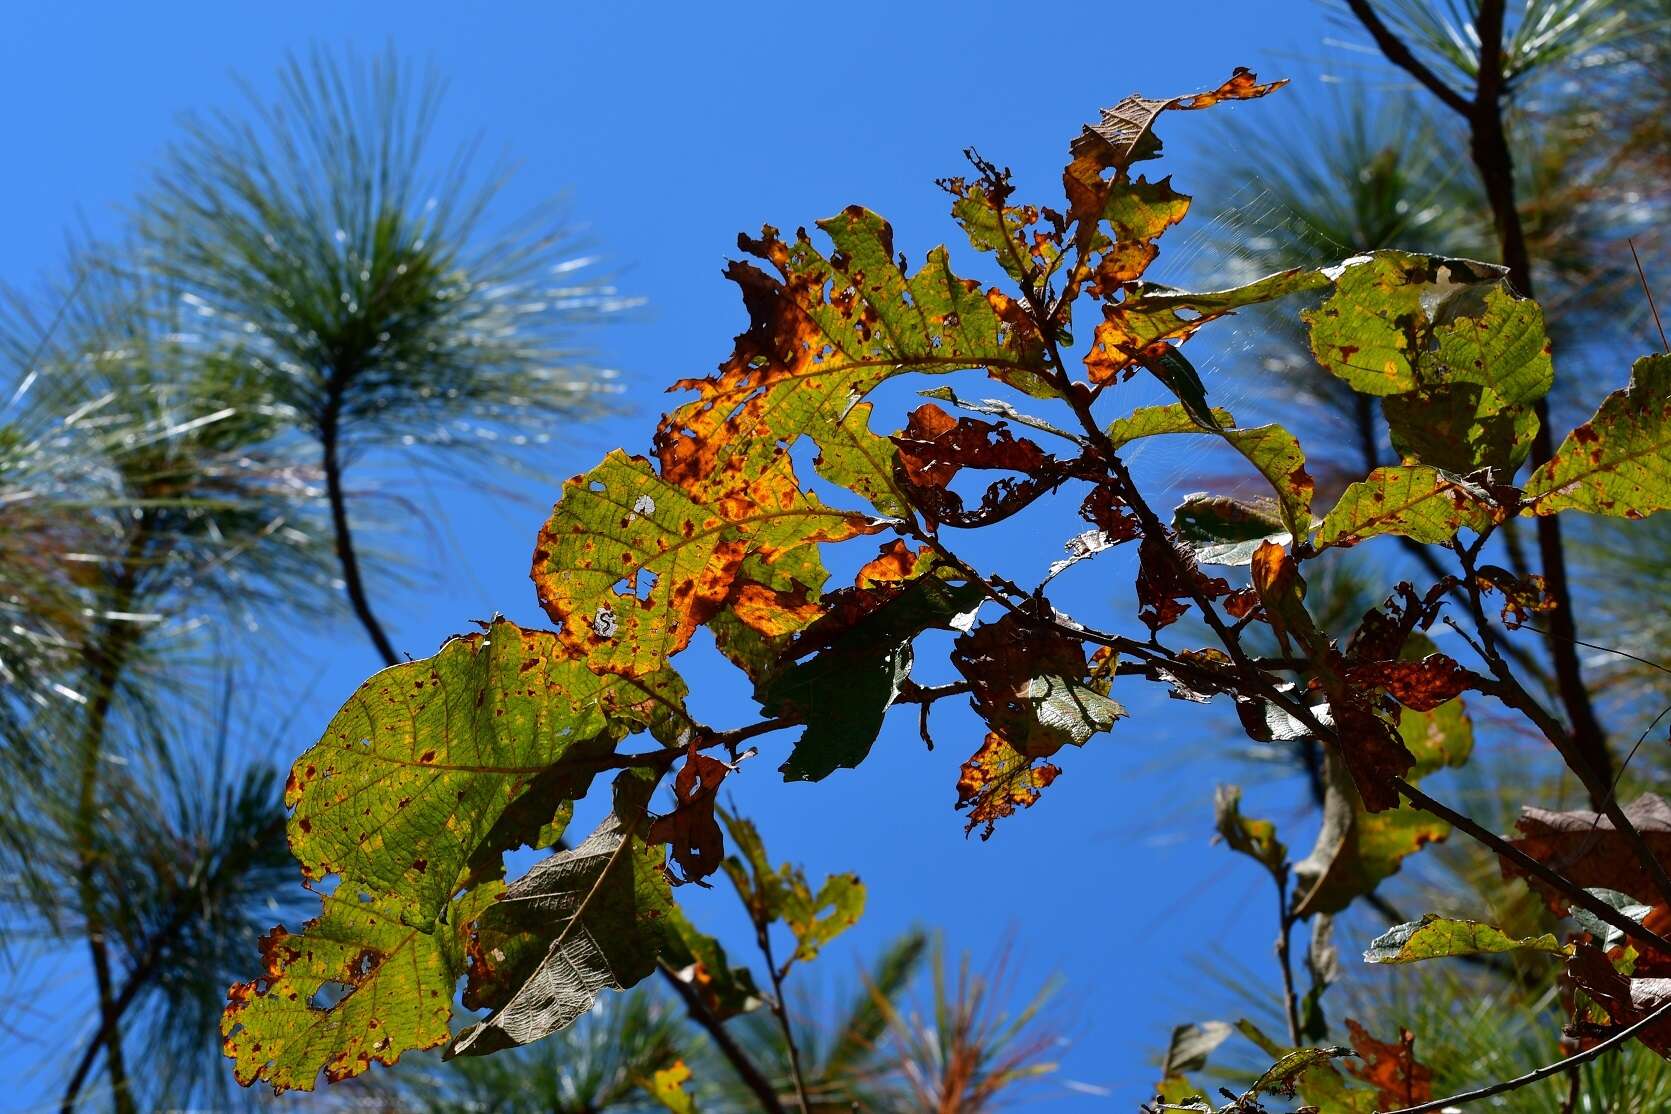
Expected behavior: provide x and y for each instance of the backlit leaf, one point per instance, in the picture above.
(1253, 838)
(781, 893)
(1586, 847)
(1619, 462)
(621, 524)
(1398, 1077)
(1225, 531)
(1032, 685)
(1417, 502)
(1437, 937)
(1149, 421)
(667, 1087)
(998, 779)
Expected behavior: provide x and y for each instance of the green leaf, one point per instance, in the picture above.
(1497, 342)
(415, 775)
(1010, 233)
(621, 530)
(1436, 937)
(1609, 936)
(782, 893)
(1460, 427)
(1284, 1075)
(1221, 530)
(1150, 314)
(358, 984)
(1418, 502)
(1277, 456)
(1150, 421)
(1253, 838)
(1379, 321)
(843, 692)
(1619, 462)
(582, 921)
(700, 962)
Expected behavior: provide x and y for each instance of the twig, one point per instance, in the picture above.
(1289, 998)
(1573, 893)
(1666, 344)
(739, 1060)
(780, 1009)
(1404, 58)
(1584, 1057)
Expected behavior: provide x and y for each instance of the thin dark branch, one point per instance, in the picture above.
(1648, 293)
(1404, 58)
(1570, 890)
(739, 1060)
(329, 438)
(1544, 1072)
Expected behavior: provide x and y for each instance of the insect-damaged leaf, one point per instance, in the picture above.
(1392, 1069)
(782, 893)
(621, 522)
(1421, 686)
(1586, 848)
(358, 984)
(416, 773)
(861, 658)
(1032, 685)
(1437, 937)
(1416, 501)
(998, 779)
(1166, 577)
(584, 920)
(1619, 462)
(1028, 253)
(822, 333)
(690, 829)
(1385, 325)
(935, 447)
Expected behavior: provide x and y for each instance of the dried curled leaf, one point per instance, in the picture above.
(1627, 1000)
(998, 779)
(1254, 838)
(1421, 685)
(1586, 848)
(584, 920)
(1619, 462)
(1032, 685)
(690, 829)
(1392, 1069)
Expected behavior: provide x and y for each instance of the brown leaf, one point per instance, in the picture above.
(691, 830)
(1373, 752)
(1586, 848)
(934, 447)
(1001, 660)
(1627, 1000)
(1419, 685)
(1392, 1069)
(996, 780)
(1104, 509)
(1523, 596)
(1118, 135)
(1166, 577)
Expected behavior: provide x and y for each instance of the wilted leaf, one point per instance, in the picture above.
(1418, 502)
(1421, 686)
(823, 332)
(1118, 138)
(1253, 838)
(1284, 1076)
(934, 447)
(1627, 1000)
(1586, 848)
(1192, 1044)
(1619, 462)
(998, 779)
(690, 829)
(1436, 937)
(1031, 684)
(677, 562)
(1166, 578)
(1398, 1077)
(580, 922)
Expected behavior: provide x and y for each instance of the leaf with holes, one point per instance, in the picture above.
(620, 530)
(1032, 685)
(583, 921)
(998, 779)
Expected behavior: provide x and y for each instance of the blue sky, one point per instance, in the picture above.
(668, 129)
